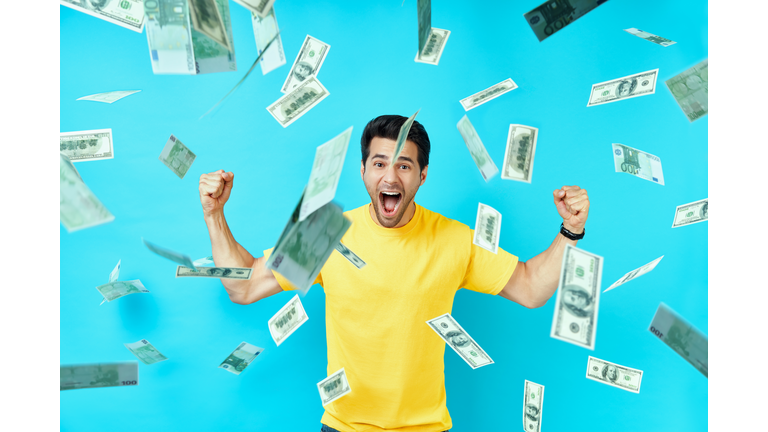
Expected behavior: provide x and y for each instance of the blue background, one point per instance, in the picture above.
(370, 71)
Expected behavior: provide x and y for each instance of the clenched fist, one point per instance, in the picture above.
(572, 204)
(214, 190)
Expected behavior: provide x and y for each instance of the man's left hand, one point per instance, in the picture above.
(572, 204)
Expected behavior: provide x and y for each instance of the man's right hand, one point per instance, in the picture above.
(214, 191)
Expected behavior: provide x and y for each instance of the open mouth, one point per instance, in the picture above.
(390, 203)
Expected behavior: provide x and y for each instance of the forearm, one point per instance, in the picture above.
(228, 253)
(543, 271)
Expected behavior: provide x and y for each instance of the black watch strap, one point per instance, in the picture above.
(571, 235)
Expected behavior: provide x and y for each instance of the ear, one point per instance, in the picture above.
(423, 175)
(362, 170)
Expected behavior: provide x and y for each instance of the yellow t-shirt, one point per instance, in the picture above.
(376, 317)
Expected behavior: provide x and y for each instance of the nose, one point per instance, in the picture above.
(390, 177)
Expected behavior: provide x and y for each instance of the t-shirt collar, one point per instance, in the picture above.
(392, 232)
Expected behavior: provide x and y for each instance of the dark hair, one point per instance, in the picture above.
(388, 126)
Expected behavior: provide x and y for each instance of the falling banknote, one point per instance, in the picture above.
(240, 358)
(242, 273)
(298, 102)
(638, 163)
(90, 145)
(258, 7)
(146, 352)
(658, 40)
(78, 206)
(80, 376)
(628, 87)
(264, 29)
(691, 90)
(487, 228)
(433, 50)
(114, 290)
(125, 13)
(115, 272)
(109, 97)
(402, 137)
(189, 36)
(476, 148)
(533, 404)
(687, 341)
(521, 148)
(635, 273)
(349, 255)
(614, 375)
(176, 257)
(686, 214)
(289, 318)
(307, 64)
(304, 246)
(578, 298)
(552, 16)
(177, 156)
(484, 96)
(424, 17)
(325, 174)
(451, 332)
(333, 387)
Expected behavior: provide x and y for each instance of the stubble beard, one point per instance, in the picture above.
(406, 202)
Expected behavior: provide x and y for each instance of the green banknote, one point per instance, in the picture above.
(177, 156)
(334, 387)
(326, 171)
(638, 163)
(240, 358)
(258, 7)
(533, 405)
(109, 97)
(79, 208)
(614, 375)
(477, 150)
(686, 340)
(125, 13)
(402, 137)
(115, 290)
(264, 30)
(176, 257)
(553, 15)
(304, 246)
(146, 352)
(287, 320)
(424, 17)
(115, 272)
(691, 90)
(686, 214)
(80, 376)
(650, 37)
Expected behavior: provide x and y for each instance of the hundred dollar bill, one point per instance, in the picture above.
(521, 148)
(304, 246)
(687, 341)
(146, 352)
(78, 206)
(533, 403)
(628, 87)
(487, 228)
(349, 255)
(476, 148)
(177, 156)
(289, 318)
(578, 298)
(635, 273)
(325, 174)
(264, 29)
(333, 387)
(205, 261)
(424, 16)
(114, 290)
(189, 40)
(259, 7)
(80, 376)
(295, 104)
(176, 257)
(691, 90)
(658, 40)
(447, 328)
(638, 163)
(240, 358)
(552, 16)
(109, 97)
(242, 273)
(125, 13)
(484, 96)
(614, 375)
(308, 62)
(402, 137)
(686, 214)
(115, 272)
(433, 50)
(90, 145)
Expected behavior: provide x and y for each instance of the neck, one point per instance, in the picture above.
(407, 216)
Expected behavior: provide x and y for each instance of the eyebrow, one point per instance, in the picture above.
(386, 157)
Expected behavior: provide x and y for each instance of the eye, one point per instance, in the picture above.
(377, 164)
(404, 166)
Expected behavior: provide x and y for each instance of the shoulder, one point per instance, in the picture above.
(442, 223)
(356, 213)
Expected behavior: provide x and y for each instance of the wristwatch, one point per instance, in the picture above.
(571, 235)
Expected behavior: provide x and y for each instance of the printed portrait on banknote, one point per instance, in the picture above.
(457, 338)
(303, 70)
(626, 87)
(94, 5)
(610, 373)
(532, 412)
(217, 271)
(577, 300)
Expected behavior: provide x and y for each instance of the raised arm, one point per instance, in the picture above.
(533, 282)
(215, 189)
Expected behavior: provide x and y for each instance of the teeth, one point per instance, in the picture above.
(391, 193)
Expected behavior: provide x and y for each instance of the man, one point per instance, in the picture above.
(416, 261)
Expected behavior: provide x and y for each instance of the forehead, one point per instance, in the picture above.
(386, 146)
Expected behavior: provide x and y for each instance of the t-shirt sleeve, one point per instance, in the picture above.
(285, 284)
(488, 272)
